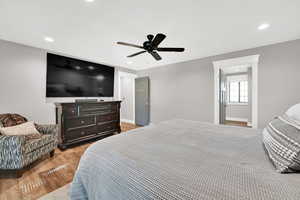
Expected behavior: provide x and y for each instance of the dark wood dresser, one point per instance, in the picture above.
(83, 121)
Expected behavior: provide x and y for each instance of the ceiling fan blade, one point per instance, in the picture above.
(155, 55)
(138, 53)
(170, 49)
(158, 39)
(150, 37)
(131, 45)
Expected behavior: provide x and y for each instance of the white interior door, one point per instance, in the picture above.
(127, 98)
(142, 101)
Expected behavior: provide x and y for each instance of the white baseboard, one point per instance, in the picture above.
(236, 119)
(127, 121)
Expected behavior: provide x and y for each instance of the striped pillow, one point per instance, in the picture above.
(281, 139)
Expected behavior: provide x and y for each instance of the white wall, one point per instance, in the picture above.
(237, 112)
(23, 83)
(127, 96)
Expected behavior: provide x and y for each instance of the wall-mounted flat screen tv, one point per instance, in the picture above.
(69, 77)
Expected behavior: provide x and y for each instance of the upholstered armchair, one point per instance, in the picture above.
(18, 152)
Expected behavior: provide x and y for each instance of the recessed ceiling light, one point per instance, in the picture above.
(129, 62)
(89, 1)
(263, 26)
(48, 39)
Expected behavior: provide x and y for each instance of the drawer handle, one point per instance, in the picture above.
(82, 133)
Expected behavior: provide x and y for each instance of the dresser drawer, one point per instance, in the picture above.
(114, 107)
(80, 122)
(107, 118)
(107, 126)
(97, 109)
(70, 111)
(80, 132)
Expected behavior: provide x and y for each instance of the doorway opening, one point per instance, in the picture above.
(127, 96)
(236, 91)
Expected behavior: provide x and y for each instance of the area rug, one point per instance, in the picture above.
(59, 194)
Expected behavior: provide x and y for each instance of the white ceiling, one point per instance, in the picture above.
(204, 27)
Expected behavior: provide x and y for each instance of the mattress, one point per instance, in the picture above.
(180, 159)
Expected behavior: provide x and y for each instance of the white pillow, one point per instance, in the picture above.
(294, 112)
(27, 128)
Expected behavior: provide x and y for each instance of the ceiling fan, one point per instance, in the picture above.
(151, 46)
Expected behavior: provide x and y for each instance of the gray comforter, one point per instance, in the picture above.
(181, 159)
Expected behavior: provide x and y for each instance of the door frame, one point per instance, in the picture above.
(252, 61)
(133, 76)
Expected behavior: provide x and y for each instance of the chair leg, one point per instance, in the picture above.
(52, 153)
(19, 173)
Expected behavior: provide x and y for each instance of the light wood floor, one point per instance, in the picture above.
(236, 123)
(48, 175)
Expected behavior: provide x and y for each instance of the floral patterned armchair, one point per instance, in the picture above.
(18, 152)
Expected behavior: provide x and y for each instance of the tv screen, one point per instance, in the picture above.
(69, 77)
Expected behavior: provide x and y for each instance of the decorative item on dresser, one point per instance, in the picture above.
(82, 121)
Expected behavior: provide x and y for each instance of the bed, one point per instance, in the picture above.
(180, 159)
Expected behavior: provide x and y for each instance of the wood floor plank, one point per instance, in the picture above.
(236, 123)
(48, 175)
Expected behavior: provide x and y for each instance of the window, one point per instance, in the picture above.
(238, 91)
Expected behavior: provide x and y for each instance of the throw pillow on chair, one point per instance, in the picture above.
(7, 120)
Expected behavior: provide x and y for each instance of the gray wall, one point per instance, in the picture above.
(185, 90)
(23, 83)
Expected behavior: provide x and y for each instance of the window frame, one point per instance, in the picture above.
(239, 102)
